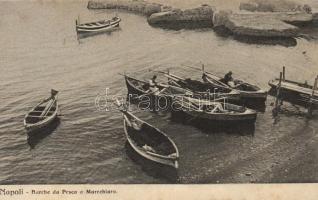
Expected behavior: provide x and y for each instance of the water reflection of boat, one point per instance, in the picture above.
(36, 136)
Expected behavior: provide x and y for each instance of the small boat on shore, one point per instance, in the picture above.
(99, 26)
(246, 90)
(150, 142)
(42, 114)
(214, 110)
(294, 92)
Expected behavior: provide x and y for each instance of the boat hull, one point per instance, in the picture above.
(222, 117)
(240, 115)
(97, 30)
(100, 26)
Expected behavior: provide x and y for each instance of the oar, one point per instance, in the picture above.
(209, 73)
(162, 72)
(192, 67)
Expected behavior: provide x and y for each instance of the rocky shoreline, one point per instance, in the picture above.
(243, 23)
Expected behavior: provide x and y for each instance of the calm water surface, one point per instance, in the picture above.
(40, 51)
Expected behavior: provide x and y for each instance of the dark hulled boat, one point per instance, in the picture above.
(247, 90)
(214, 111)
(203, 90)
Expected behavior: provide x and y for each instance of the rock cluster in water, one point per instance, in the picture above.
(137, 6)
(274, 6)
(201, 16)
(270, 18)
(159, 14)
(262, 24)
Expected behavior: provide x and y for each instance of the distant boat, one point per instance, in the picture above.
(99, 26)
(150, 142)
(295, 92)
(42, 114)
(214, 111)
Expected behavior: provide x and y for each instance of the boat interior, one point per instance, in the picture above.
(142, 85)
(148, 138)
(240, 85)
(40, 112)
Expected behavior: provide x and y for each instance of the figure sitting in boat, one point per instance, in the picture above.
(152, 86)
(230, 81)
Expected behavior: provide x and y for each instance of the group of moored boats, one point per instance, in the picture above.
(191, 97)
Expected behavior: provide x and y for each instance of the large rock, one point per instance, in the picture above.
(138, 6)
(197, 16)
(315, 17)
(274, 6)
(259, 24)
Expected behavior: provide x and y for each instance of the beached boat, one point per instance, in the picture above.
(295, 92)
(214, 110)
(42, 114)
(246, 90)
(99, 26)
(150, 142)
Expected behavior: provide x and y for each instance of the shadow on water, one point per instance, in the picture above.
(282, 41)
(215, 127)
(188, 25)
(259, 106)
(35, 137)
(153, 169)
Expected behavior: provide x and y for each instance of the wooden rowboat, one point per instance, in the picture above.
(100, 26)
(246, 90)
(137, 87)
(42, 114)
(150, 142)
(215, 111)
(295, 92)
(204, 90)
